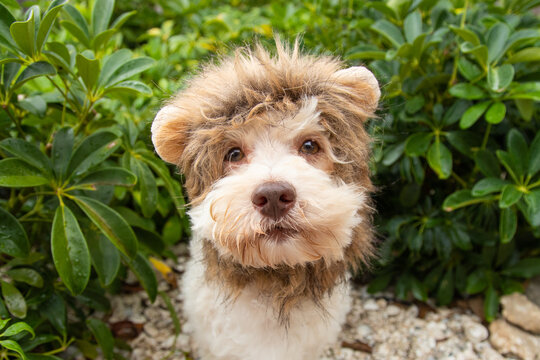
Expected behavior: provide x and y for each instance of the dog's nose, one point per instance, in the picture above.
(274, 199)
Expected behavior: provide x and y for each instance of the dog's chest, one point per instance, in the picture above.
(248, 328)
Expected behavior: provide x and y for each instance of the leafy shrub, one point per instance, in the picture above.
(76, 177)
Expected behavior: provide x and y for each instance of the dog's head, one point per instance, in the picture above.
(274, 154)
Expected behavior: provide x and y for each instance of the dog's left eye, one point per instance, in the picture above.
(234, 155)
(309, 147)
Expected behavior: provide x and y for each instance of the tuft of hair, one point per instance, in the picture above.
(189, 130)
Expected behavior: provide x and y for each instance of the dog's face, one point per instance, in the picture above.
(277, 175)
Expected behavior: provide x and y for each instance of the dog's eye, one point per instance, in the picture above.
(309, 147)
(234, 155)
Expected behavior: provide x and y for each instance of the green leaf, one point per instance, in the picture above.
(518, 150)
(105, 258)
(491, 304)
(23, 32)
(69, 250)
(417, 144)
(92, 151)
(476, 282)
(13, 239)
(526, 108)
(27, 152)
(534, 156)
(15, 302)
(531, 54)
(78, 19)
(445, 292)
(3, 323)
(109, 176)
(17, 173)
(121, 20)
(6, 19)
(414, 104)
(472, 114)
(496, 39)
(101, 15)
(14, 346)
(509, 196)
(172, 186)
(76, 31)
(468, 69)
(500, 78)
(127, 70)
(47, 22)
(526, 268)
(103, 336)
(412, 26)
(466, 142)
(144, 272)
(480, 52)
(488, 186)
(440, 159)
(147, 186)
(496, 113)
(88, 70)
(507, 224)
(26, 275)
(455, 112)
(532, 199)
(102, 39)
(132, 86)
(418, 289)
(467, 91)
(172, 312)
(379, 283)
(34, 70)
(17, 328)
(54, 310)
(466, 35)
(111, 63)
(61, 151)
(460, 238)
(110, 223)
(390, 31)
(392, 153)
(460, 199)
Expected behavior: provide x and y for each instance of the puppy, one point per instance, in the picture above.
(275, 158)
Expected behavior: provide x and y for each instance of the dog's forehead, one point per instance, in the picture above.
(285, 126)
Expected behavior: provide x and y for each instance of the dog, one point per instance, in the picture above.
(276, 165)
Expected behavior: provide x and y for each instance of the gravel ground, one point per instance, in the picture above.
(378, 328)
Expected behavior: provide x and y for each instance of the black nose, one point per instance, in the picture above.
(274, 199)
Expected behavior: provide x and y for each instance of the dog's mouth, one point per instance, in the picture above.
(279, 233)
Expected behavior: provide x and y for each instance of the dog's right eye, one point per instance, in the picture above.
(234, 155)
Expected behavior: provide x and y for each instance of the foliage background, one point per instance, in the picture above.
(84, 200)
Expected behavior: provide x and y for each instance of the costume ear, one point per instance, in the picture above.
(169, 133)
(363, 83)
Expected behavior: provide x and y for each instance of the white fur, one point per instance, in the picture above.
(248, 329)
(361, 73)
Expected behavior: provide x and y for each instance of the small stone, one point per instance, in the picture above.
(508, 339)
(475, 332)
(150, 329)
(436, 330)
(520, 311)
(392, 310)
(370, 305)
(364, 331)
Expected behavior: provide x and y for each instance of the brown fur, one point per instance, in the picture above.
(241, 89)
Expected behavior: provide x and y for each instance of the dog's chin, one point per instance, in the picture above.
(278, 234)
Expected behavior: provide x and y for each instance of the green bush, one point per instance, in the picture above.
(456, 147)
(77, 175)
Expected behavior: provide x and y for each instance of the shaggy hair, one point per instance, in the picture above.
(194, 129)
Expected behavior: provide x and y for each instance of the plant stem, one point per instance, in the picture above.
(486, 137)
(459, 179)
